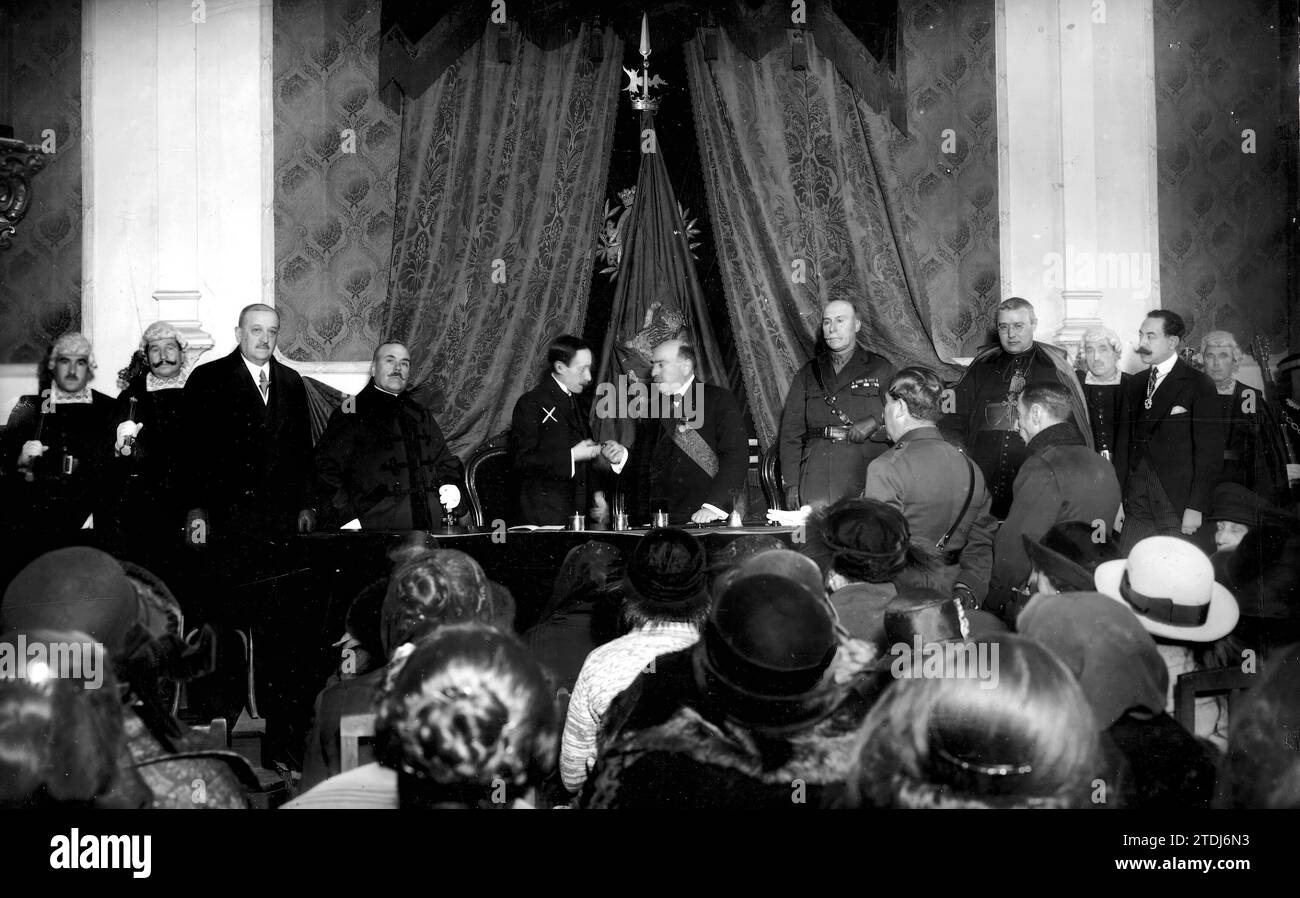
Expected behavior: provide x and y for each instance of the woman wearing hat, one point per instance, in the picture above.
(1169, 584)
(1153, 760)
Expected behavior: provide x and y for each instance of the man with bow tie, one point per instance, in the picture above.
(551, 443)
(383, 459)
(1169, 453)
(249, 464)
(58, 444)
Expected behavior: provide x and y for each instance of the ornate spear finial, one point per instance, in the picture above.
(640, 83)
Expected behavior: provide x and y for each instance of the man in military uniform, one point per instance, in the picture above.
(830, 428)
(58, 444)
(983, 417)
(935, 485)
(1102, 383)
(382, 459)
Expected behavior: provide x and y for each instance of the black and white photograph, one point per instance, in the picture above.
(730, 405)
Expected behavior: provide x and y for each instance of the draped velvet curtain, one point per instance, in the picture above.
(500, 187)
(804, 210)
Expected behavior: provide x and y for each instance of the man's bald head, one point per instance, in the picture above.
(840, 325)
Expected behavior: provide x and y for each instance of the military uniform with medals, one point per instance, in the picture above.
(827, 398)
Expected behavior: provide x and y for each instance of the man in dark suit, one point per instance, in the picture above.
(551, 442)
(691, 452)
(383, 459)
(250, 454)
(1170, 448)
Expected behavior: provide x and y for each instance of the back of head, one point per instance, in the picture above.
(868, 540)
(434, 588)
(1053, 397)
(921, 389)
(60, 731)
(725, 562)
(467, 719)
(1104, 645)
(666, 578)
(77, 588)
(1024, 739)
(1264, 738)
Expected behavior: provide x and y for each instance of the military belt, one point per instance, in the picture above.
(834, 434)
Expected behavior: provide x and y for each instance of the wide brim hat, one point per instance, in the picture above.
(75, 588)
(1066, 574)
(764, 658)
(1169, 584)
(1234, 502)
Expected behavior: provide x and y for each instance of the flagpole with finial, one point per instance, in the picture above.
(640, 83)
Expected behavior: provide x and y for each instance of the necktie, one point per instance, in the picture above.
(263, 384)
(1151, 388)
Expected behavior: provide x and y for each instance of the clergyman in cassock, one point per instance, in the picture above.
(58, 444)
(382, 459)
(983, 418)
(551, 444)
(831, 424)
(689, 460)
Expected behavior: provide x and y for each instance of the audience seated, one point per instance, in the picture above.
(62, 741)
(465, 721)
(427, 590)
(84, 589)
(665, 601)
(1259, 560)
(725, 562)
(1029, 741)
(868, 553)
(1169, 584)
(1065, 559)
(581, 614)
(757, 714)
(1153, 762)
(1263, 758)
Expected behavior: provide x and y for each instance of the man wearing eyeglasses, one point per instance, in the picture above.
(981, 414)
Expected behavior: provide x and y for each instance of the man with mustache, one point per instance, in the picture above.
(1170, 449)
(248, 462)
(149, 442)
(983, 416)
(383, 459)
(57, 445)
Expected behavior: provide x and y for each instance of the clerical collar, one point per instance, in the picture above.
(60, 397)
(560, 384)
(1092, 380)
(382, 390)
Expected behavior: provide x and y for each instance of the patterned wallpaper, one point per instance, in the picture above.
(40, 274)
(951, 77)
(1223, 212)
(333, 208)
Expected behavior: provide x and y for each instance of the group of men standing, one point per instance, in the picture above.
(226, 450)
(1024, 440)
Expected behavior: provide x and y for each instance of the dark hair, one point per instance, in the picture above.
(869, 540)
(563, 348)
(374, 356)
(1172, 322)
(465, 719)
(952, 742)
(1053, 397)
(686, 353)
(921, 389)
(432, 589)
(60, 739)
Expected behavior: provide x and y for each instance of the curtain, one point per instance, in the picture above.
(500, 187)
(805, 211)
